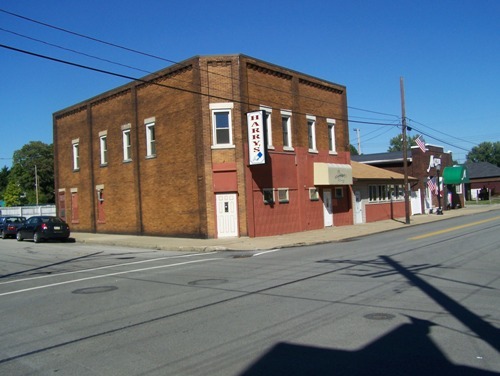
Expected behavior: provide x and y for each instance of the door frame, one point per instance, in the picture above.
(327, 208)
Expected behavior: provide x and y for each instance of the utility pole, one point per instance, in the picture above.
(405, 148)
(36, 185)
(359, 140)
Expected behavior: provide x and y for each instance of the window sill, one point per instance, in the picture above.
(228, 146)
(288, 148)
(333, 152)
(313, 151)
(153, 156)
(76, 170)
(127, 161)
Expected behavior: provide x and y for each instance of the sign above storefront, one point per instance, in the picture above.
(332, 174)
(256, 138)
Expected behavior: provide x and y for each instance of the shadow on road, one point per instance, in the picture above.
(407, 350)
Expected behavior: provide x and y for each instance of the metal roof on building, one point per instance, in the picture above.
(361, 171)
(480, 170)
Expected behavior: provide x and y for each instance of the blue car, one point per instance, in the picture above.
(43, 227)
(9, 225)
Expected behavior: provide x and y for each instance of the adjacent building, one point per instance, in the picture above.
(214, 146)
(424, 198)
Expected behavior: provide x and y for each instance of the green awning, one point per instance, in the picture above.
(455, 175)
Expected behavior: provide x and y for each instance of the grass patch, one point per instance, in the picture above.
(493, 201)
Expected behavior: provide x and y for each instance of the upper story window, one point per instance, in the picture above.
(286, 125)
(76, 154)
(103, 145)
(127, 143)
(222, 128)
(311, 133)
(150, 137)
(331, 135)
(269, 127)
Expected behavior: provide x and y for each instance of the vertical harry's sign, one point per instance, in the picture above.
(256, 138)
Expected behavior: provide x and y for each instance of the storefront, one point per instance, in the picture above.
(455, 178)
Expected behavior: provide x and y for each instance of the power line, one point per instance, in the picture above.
(175, 63)
(150, 81)
(73, 51)
(445, 134)
(168, 60)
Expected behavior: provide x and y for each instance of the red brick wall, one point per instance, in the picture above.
(174, 192)
(383, 211)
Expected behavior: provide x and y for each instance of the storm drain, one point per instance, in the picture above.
(207, 282)
(379, 316)
(95, 290)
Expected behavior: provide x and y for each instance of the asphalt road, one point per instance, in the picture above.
(419, 300)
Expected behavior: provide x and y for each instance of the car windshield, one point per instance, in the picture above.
(14, 220)
(53, 220)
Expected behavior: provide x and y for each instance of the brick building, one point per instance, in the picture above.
(419, 167)
(168, 154)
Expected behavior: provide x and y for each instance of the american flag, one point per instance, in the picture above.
(421, 144)
(431, 183)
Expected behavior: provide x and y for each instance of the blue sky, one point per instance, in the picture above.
(448, 53)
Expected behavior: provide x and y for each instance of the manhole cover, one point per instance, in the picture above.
(207, 282)
(95, 290)
(379, 316)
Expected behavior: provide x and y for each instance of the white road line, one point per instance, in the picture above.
(264, 252)
(104, 267)
(107, 275)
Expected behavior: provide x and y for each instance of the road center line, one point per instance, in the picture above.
(105, 267)
(108, 275)
(428, 235)
(264, 252)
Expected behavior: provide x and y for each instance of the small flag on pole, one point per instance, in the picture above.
(431, 183)
(421, 144)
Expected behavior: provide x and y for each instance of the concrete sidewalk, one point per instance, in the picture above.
(326, 235)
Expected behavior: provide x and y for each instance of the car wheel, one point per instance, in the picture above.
(36, 237)
(3, 235)
(19, 237)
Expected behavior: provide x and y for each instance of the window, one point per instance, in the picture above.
(373, 192)
(286, 125)
(269, 127)
(331, 135)
(283, 195)
(268, 194)
(222, 125)
(127, 144)
(339, 192)
(103, 148)
(313, 194)
(76, 154)
(74, 206)
(101, 215)
(150, 139)
(311, 133)
(382, 192)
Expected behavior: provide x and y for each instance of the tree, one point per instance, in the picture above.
(353, 149)
(12, 194)
(396, 143)
(4, 180)
(485, 152)
(41, 155)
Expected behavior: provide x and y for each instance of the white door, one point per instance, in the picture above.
(416, 203)
(227, 215)
(358, 210)
(327, 207)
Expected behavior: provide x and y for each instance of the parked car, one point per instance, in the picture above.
(9, 225)
(43, 227)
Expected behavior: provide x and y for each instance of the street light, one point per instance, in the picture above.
(437, 163)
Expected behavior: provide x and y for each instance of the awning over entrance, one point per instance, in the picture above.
(455, 175)
(332, 174)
